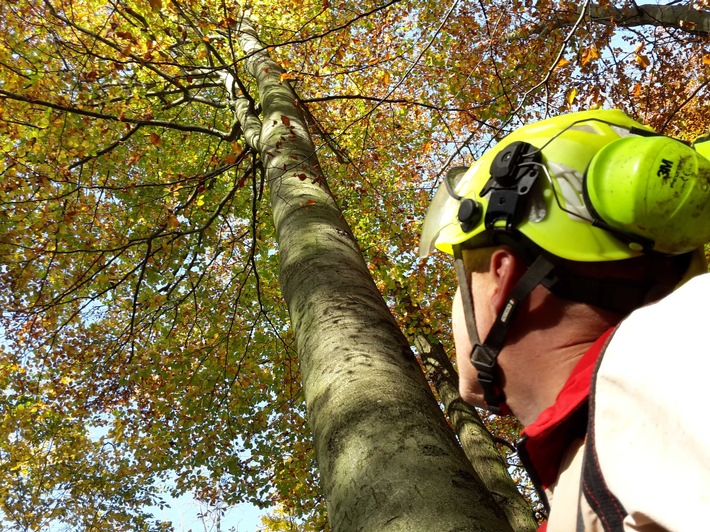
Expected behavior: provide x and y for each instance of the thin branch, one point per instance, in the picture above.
(318, 36)
(111, 44)
(683, 104)
(107, 149)
(560, 53)
(394, 101)
(84, 112)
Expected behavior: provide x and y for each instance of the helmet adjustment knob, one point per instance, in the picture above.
(470, 213)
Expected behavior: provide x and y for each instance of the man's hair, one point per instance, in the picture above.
(478, 260)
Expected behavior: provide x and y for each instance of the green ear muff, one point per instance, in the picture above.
(655, 187)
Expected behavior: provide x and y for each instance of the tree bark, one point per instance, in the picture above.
(475, 439)
(386, 456)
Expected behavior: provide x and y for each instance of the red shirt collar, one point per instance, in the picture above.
(547, 438)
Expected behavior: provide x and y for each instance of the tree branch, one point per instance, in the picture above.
(682, 17)
(129, 120)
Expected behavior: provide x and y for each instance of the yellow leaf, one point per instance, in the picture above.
(706, 59)
(642, 60)
(561, 63)
(571, 96)
(201, 200)
(590, 54)
(637, 90)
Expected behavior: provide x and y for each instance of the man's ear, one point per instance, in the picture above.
(506, 268)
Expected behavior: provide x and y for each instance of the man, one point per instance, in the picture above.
(568, 238)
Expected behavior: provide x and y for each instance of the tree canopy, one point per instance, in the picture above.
(145, 336)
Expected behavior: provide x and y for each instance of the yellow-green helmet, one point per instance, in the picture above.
(589, 186)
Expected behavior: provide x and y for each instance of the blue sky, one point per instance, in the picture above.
(184, 515)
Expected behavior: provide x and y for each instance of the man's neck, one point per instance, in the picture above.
(540, 363)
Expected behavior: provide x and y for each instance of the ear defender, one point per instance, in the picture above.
(655, 187)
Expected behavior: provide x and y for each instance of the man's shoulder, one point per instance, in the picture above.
(683, 307)
(649, 395)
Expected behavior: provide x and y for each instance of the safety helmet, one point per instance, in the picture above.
(592, 186)
(589, 186)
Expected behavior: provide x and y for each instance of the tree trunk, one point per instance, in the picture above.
(386, 456)
(475, 439)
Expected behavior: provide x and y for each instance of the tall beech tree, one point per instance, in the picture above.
(168, 328)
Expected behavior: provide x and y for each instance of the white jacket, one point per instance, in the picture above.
(651, 426)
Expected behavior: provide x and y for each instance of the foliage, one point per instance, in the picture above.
(145, 337)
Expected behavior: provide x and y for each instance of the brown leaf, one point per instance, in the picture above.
(155, 139)
(236, 148)
(285, 120)
(156, 5)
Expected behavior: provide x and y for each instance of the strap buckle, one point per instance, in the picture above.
(483, 359)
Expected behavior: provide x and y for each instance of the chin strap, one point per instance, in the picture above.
(484, 355)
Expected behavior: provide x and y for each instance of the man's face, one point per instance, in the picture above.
(469, 387)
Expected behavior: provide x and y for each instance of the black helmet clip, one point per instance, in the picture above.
(513, 174)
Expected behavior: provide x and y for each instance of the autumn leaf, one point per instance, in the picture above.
(236, 147)
(590, 54)
(561, 63)
(706, 59)
(229, 159)
(571, 95)
(285, 120)
(642, 60)
(155, 139)
(156, 5)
